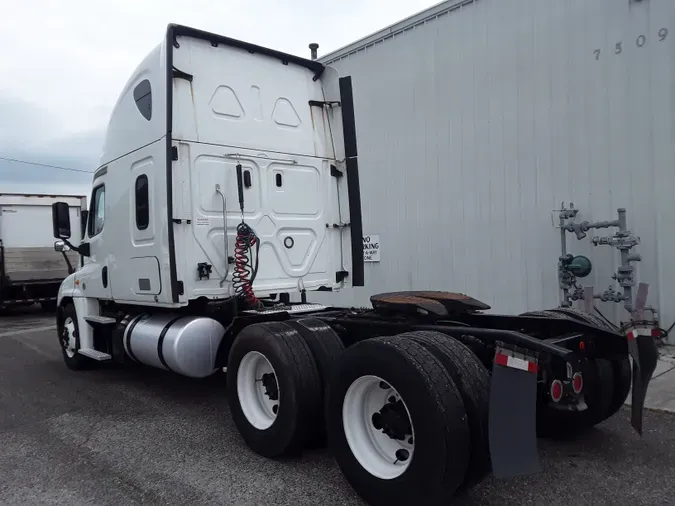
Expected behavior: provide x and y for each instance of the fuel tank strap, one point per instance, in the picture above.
(160, 342)
(127, 337)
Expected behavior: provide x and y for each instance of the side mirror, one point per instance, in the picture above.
(60, 246)
(61, 220)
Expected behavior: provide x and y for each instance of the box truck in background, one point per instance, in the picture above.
(30, 269)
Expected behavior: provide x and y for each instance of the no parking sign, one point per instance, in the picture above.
(371, 248)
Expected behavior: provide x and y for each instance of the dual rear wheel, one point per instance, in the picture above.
(405, 416)
(606, 386)
(276, 380)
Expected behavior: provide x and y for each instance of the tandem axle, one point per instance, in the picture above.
(526, 376)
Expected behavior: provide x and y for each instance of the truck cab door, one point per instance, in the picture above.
(93, 277)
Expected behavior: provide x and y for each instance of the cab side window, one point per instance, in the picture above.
(143, 98)
(97, 211)
(142, 202)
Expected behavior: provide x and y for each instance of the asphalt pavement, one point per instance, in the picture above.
(114, 436)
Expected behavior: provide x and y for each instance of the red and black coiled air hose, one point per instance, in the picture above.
(245, 270)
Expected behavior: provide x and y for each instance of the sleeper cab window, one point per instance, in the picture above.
(142, 202)
(97, 213)
(143, 98)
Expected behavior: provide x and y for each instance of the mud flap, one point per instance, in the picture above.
(512, 421)
(642, 349)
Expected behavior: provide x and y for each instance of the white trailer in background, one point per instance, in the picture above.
(481, 117)
(30, 270)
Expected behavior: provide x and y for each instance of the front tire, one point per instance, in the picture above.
(69, 339)
(397, 425)
(273, 389)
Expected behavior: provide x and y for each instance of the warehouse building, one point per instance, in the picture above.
(478, 119)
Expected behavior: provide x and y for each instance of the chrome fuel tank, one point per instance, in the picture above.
(186, 345)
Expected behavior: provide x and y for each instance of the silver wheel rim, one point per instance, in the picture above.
(68, 339)
(379, 454)
(258, 390)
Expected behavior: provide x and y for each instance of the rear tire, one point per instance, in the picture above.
(598, 394)
(545, 314)
(621, 368)
(326, 347)
(273, 389)
(582, 316)
(438, 461)
(623, 376)
(473, 381)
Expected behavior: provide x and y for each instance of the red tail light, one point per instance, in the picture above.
(556, 390)
(577, 383)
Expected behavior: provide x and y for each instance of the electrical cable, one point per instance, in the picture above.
(245, 271)
(666, 333)
(16, 160)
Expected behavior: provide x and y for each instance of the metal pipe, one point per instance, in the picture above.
(625, 261)
(563, 248)
(227, 260)
(313, 47)
(70, 266)
(601, 224)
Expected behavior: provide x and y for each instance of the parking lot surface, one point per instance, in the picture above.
(113, 436)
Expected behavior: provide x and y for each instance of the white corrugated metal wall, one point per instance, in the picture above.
(476, 119)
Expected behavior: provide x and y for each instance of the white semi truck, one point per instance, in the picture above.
(30, 270)
(229, 186)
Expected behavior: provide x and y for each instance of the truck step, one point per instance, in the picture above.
(294, 309)
(100, 320)
(95, 354)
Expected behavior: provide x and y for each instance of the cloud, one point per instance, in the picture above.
(31, 133)
(69, 61)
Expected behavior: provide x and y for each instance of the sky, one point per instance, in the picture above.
(64, 62)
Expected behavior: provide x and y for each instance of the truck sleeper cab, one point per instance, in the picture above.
(229, 181)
